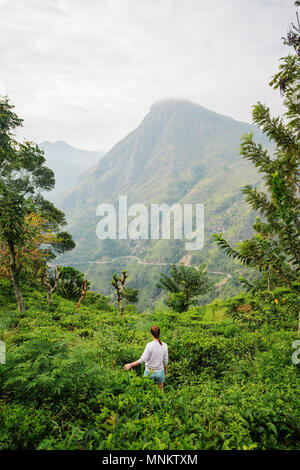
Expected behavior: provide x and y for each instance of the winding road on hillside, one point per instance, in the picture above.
(218, 285)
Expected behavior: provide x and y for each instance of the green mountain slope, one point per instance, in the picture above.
(180, 153)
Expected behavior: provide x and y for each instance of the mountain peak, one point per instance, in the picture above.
(185, 109)
(178, 105)
(170, 103)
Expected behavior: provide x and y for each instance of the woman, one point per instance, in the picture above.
(155, 358)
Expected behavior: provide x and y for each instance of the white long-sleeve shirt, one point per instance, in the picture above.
(155, 355)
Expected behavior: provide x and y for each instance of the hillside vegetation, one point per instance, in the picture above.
(231, 384)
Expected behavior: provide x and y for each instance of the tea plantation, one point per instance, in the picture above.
(230, 385)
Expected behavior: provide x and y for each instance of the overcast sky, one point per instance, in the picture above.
(87, 71)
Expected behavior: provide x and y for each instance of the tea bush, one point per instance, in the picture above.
(279, 308)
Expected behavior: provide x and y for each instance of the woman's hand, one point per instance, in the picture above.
(127, 367)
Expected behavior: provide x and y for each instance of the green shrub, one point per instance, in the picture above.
(279, 308)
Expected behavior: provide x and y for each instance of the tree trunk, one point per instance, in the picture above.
(269, 282)
(84, 288)
(46, 281)
(15, 278)
(119, 288)
(49, 298)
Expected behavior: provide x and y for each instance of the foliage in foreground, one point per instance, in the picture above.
(229, 386)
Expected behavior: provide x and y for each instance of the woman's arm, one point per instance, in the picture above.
(131, 364)
(144, 358)
(166, 360)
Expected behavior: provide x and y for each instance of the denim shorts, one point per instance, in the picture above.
(157, 375)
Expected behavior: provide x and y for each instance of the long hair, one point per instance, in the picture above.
(155, 331)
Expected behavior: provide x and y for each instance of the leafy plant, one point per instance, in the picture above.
(184, 285)
(70, 283)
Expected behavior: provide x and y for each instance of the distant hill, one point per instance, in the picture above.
(68, 163)
(181, 152)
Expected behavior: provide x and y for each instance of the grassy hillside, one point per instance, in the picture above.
(229, 386)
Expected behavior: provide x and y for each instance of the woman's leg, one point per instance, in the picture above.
(160, 379)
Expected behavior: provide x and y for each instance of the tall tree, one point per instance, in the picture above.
(275, 247)
(119, 284)
(23, 177)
